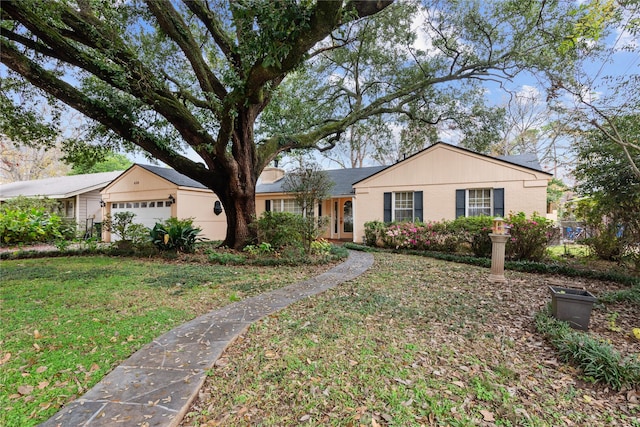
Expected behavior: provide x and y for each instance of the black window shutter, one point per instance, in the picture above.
(417, 206)
(387, 207)
(498, 202)
(267, 205)
(460, 202)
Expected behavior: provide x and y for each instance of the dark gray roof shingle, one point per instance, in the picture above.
(173, 176)
(343, 180)
(529, 160)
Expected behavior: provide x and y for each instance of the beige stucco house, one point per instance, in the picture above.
(78, 195)
(156, 193)
(445, 182)
(440, 182)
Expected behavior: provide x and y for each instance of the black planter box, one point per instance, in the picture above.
(572, 305)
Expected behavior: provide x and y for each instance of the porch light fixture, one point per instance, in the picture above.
(172, 199)
(102, 203)
(217, 207)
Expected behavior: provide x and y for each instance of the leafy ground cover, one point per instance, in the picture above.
(418, 341)
(68, 321)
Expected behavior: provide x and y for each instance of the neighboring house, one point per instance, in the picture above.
(440, 182)
(156, 193)
(79, 195)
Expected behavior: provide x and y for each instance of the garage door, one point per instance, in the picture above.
(147, 212)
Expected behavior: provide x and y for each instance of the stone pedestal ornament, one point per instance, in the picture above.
(499, 239)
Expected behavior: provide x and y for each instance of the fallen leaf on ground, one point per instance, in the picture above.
(25, 390)
(5, 358)
(487, 415)
(41, 369)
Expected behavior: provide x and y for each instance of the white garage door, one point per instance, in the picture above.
(148, 212)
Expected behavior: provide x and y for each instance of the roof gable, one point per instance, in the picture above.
(526, 164)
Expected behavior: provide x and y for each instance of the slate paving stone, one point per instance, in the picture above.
(156, 385)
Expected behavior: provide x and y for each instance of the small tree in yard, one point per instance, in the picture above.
(309, 185)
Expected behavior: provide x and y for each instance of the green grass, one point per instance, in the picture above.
(562, 252)
(66, 322)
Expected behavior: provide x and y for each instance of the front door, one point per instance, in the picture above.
(342, 219)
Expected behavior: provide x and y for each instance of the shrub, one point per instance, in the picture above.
(119, 224)
(178, 235)
(529, 237)
(373, 233)
(263, 248)
(320, 247)
(29, 225)
(598, 360)
(280, 229)
(605, 244)
(474, 231)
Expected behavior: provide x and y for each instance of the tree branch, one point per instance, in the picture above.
(111, 117)
(173, 25)
(213, 24)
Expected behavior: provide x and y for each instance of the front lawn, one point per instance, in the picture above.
(68, 321)
(418, 342)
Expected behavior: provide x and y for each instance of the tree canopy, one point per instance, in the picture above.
(212, 75)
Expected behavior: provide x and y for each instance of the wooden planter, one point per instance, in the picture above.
(572, 306)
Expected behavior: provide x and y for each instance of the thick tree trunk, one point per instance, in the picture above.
(239, 194)
(240, 212)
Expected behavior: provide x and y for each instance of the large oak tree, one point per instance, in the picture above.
(163, 75)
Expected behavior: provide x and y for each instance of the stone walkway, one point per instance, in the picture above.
(157, 384)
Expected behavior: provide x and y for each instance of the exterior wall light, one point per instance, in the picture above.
(217, 207)
(172, 199)
(102, 203)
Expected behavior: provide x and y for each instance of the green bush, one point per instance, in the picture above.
(529, 237)
(321, 247)
(178, 235)
(599, 361)
(280, 229)
(29, 225)
(605, 244)
(373, 232)
(475, 233)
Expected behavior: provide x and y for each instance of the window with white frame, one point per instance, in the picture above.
(403, 206)
(286, 205)
(479, 202)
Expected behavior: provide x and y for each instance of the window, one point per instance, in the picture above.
(286, 205)
(479, 202)
(159, 204)
(68, 208)
(403, 206)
